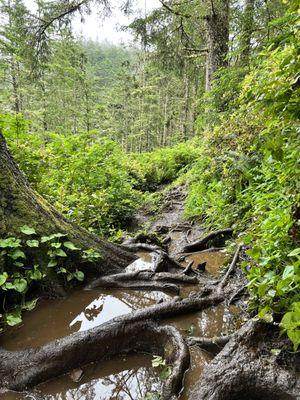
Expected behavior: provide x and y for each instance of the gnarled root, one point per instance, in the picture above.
(25, 369)
(215, 238)
(213, 345)
(244, 369)
(143, 280)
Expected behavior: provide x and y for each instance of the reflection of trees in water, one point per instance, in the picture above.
(132, 384)
(136, 299)
(92, 312)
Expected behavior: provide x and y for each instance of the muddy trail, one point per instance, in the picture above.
(172, 325)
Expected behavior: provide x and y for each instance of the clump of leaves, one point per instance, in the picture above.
(17, 273)
(161, 364)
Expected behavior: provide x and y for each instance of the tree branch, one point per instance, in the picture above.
(171, 10)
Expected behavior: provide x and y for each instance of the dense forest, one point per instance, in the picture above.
(207, 99)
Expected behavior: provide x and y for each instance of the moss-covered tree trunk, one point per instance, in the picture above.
(217, 26)
(21, 205)
(247, 30)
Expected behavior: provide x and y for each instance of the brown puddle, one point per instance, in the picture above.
(215, 321)
(131, 377)
(126, 378)
(145, 262)
(82, 310)
(199, 360)
(213, 259)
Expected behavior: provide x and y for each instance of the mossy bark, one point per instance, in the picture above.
(21, 205)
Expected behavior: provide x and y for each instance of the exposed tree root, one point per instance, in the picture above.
(208, 250)
(230, 269)
(236, 296)
(25, 369)
(213, 345)
(213, 238)
(245, 369)
(136, 247)
(189, 268)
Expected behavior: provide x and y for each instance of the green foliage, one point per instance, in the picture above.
(161, 364)
(161, 166)
(248, 177)
(90, 179)
(84, 176)
(17, 274)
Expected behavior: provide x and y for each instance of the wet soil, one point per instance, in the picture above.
(133, 376)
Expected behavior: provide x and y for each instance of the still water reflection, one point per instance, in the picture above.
(129, 378)
(82, 310)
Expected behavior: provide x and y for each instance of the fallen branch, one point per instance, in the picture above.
(136, 247)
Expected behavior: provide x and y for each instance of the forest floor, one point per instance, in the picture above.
(247, 361)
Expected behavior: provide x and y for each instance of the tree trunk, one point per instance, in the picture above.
(217, 25)
(246, 369)
(21, 205)
(247, 29)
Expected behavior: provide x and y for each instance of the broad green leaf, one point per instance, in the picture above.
(35, 274)
(10, 242)
(13, 318)
(79, 275)
(29, 305)
(294, 336)
(8, 285)
(32, 243)
(289, 270)
(20, 285)
(18, 264)
(45, 239)
(60, 253)
(56, 245)
(52, 263)
(294, 253)
(58, 235)
(27, 230)
(3, 278)
(71, 246)
(17, 253)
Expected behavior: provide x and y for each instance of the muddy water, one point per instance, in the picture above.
(199, 360)
(213, 259)
(82, 310)
(145, 262)
(127, 378)
(216, 321)
(213, 322)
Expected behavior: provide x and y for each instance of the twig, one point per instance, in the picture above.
(230, 269)
(236, 295)
(188, 268)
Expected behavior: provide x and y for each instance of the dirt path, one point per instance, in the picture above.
(242, 364)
